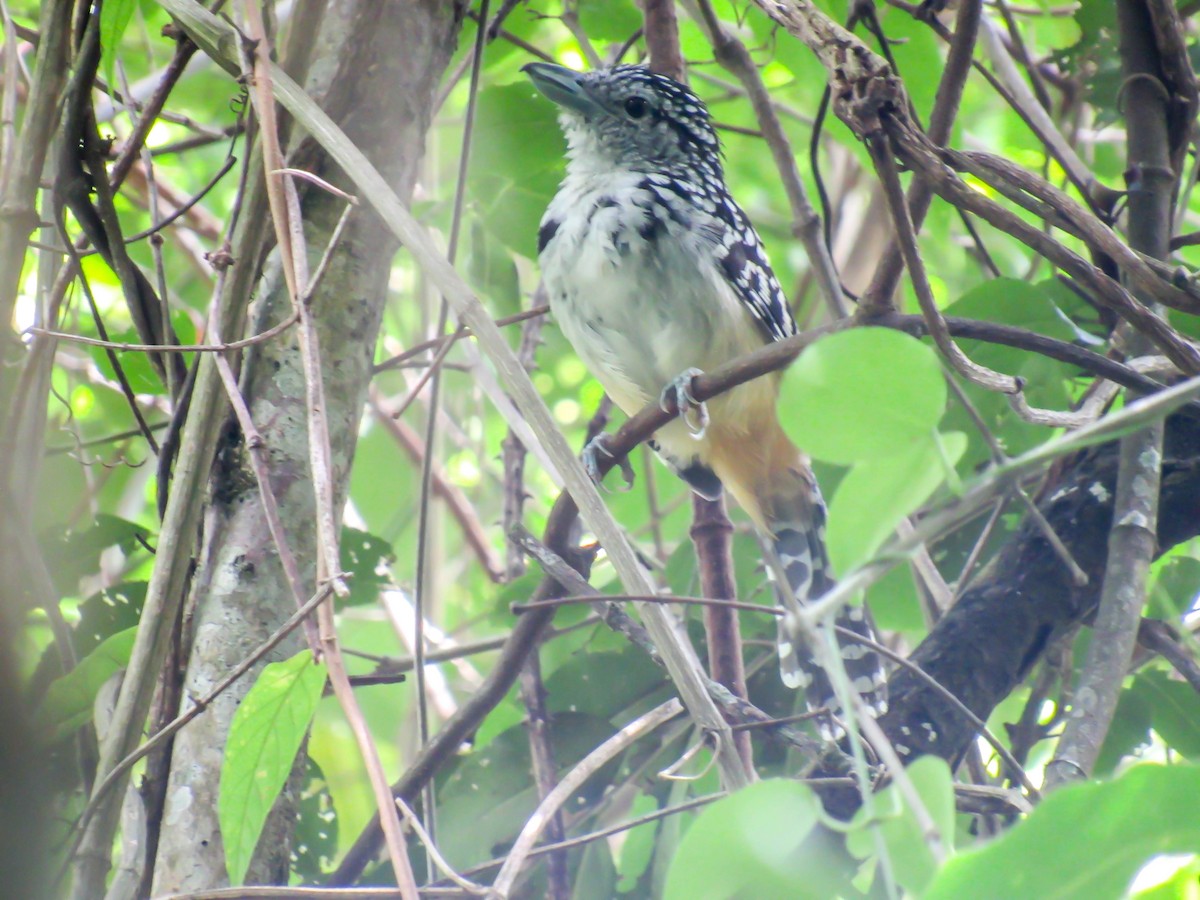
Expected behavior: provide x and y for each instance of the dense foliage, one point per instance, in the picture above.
(446, 470)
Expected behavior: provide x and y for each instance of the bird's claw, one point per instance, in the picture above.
(678, 394)
(591, 461)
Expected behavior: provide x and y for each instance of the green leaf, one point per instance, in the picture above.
(750, 844)
(263, 739)
(894, 602)
(1035, 308)
(1085, 841)
(111, 609)
(1183, 884)
(488, 794)
(637, 848)
(859, 394)
(1129, 730)
(878, 493)
(595, 877)
(143, 378)
(68, 701)
(1176, 581)
(608, 20)
(602, 684)
(1174, 711)
(114, 19)
(516, 162)
(912, 862)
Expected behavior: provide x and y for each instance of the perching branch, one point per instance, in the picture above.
(1132, 541)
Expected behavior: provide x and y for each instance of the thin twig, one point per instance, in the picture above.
(1133, 538)
(572, 781)
(198, 706)
(806, 224)
(273, 331)
(258, 455)
(885, 166)
(456, 501)
(289, 236)
(440, 861)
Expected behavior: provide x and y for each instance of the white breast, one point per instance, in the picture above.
(638, 311)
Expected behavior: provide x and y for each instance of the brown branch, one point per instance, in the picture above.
(732, 54)
(662, 38)
(913, 149)
(906, 240)
(1159, 637)
(878, 297)
(545, 771)
(1132, 540)
(712, 534)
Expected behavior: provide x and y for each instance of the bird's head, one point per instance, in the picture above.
(629, 118)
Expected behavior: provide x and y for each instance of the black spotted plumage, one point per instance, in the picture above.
(655, 273)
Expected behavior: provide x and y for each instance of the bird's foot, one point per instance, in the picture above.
(678, 393)
(596, 447)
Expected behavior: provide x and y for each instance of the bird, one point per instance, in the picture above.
(655, 275)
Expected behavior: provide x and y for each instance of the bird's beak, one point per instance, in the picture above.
(564, 86)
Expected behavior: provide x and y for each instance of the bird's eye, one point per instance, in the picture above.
(636, 107)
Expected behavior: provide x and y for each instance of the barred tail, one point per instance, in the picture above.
(772, 480)
(794, 515)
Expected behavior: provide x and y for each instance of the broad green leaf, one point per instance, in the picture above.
(1174, 710)
(911, 860)
(1129, 730)
(490, 269)
(918, 54)
(595, 876)
(263, 739)
(135, 365)
(894, 602)
(609, 20)
(1031, 307)
(637, 848)
(861, 394)
(878, 493)
(602, 684)
(68, 701)
(750, 844)
(1183, 884)
(114, 19)
(516, 161)
(1085, 841)
(102, 615)
(682, 578)
(112, 609)
(1176, 582)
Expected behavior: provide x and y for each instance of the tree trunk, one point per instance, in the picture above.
(377, 67)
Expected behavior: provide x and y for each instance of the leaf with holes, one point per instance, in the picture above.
(366, 558)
